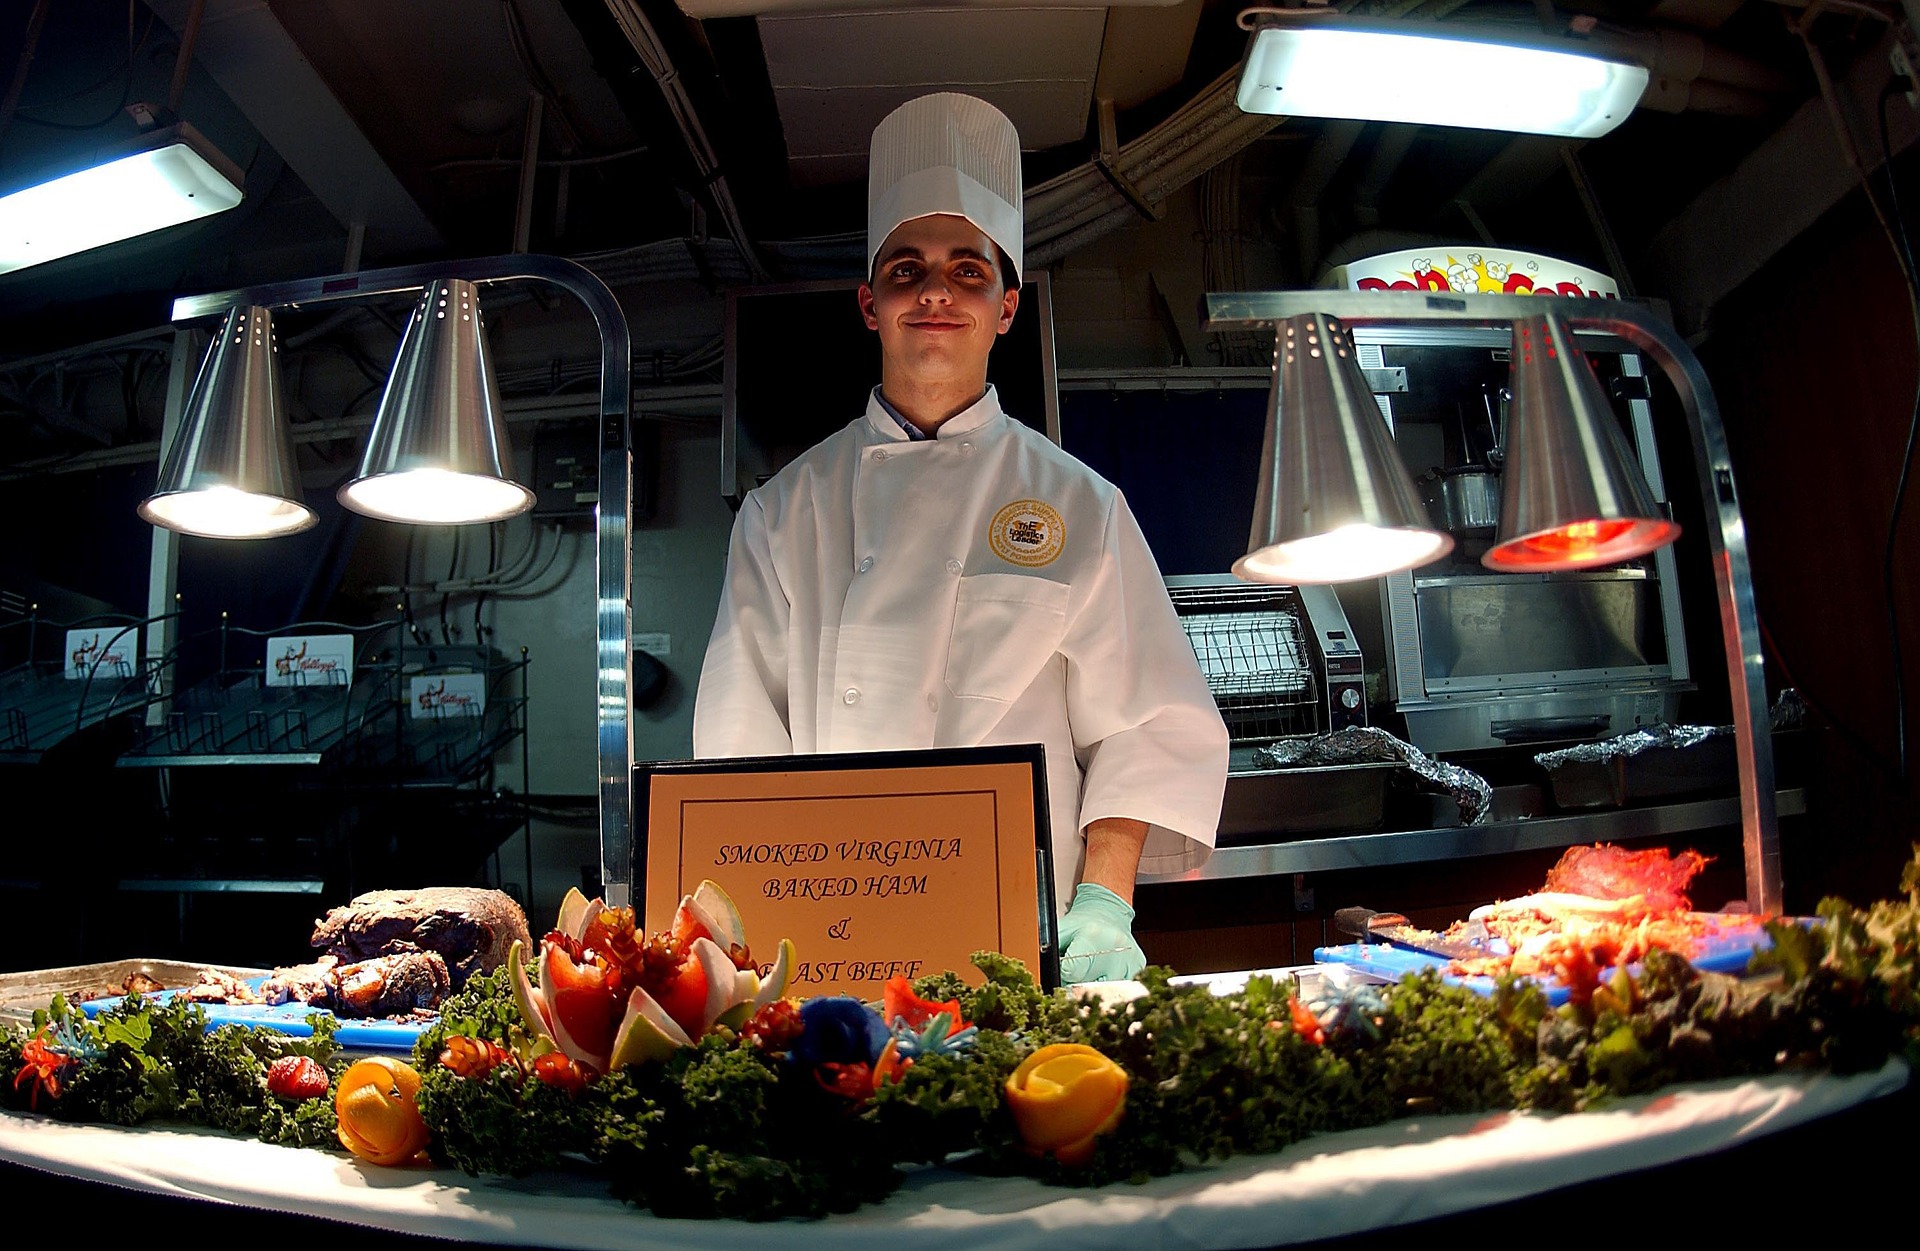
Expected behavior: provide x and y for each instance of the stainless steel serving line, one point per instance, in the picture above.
(1640, 326)
(1494, 838)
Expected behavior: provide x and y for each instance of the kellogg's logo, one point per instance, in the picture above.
(1027, 533)
(440, 699)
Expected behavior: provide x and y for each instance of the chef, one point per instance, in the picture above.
(937, 574)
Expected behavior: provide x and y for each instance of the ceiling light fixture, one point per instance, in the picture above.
(1334, 503)
(437, 452)
(1574, 496)
(167, 177)
(230, 473)
(1317, 63)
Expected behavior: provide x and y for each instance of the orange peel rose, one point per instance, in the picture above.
(1064, 1096)
(374, 1108)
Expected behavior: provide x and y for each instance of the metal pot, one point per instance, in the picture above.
(1464, 499)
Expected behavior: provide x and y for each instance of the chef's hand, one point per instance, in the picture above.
(1096, 938)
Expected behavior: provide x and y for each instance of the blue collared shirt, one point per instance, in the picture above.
(913, 432)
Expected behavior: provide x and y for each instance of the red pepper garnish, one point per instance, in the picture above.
(849, 1081)
(45, 1068)
(1305, 1023)
(556, 1069)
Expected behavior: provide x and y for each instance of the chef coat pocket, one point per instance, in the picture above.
(1005, 627)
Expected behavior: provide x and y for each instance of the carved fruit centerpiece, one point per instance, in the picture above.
(608, 995)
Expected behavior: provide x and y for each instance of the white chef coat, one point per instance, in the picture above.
(979, 587)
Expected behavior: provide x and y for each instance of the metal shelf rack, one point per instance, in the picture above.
(234, 718)
(436, 741)
(41, 706)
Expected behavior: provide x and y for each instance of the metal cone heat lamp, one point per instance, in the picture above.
(438, 448)
(1574, 496)
(1334, 502)
(230, 473)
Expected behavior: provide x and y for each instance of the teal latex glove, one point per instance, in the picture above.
(1096, 938)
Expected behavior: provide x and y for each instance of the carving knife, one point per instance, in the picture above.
(1390, 927)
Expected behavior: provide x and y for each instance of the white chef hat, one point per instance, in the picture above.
(946, 153)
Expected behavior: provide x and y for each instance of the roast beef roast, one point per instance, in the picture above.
(1604, 871)
(470, 928)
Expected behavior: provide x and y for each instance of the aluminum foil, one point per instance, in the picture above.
(1789, 711)
(1371, 745)
(1631, 743)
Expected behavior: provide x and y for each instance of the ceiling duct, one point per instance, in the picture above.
(245, 49)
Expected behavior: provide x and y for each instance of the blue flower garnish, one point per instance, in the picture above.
(838, 1029)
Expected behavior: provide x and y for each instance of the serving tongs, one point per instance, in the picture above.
(1391, 927)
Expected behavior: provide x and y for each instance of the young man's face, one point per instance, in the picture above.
(938, 300)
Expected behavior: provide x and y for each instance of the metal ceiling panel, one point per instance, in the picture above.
(835, 76)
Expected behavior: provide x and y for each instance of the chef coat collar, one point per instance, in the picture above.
(986, 409)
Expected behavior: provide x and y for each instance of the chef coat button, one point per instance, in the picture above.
(851, 695)
(882, 454)
(866, 564)
(966, 447)
(954, 567)
(933, 702)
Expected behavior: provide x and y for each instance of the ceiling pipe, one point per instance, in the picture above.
(1330, 151)
(1068, 211)
(634, 24)
(183, 60)
(35, 21)
(1677, 60)
(529, 172)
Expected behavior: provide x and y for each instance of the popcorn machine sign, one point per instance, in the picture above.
(1485, 271)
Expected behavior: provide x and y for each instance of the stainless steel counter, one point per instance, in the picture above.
(1496, 837)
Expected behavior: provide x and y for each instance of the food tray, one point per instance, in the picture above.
(1305, 799)
(1725, 950)
(1706, 767)
(21, 993)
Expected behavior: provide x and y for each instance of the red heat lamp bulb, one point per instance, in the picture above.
(1581, 545)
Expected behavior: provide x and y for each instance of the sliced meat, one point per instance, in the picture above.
(217, 987)
(470, 928)
(392, 985)
(301, 983)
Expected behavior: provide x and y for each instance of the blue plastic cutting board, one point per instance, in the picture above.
(291, 1019)
(1726, 952)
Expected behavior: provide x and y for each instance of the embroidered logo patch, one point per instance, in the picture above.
(1027, 533)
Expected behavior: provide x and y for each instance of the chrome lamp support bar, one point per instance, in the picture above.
(1639, 326)
(613, 561)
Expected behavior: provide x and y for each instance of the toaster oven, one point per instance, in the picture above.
(1281, 662)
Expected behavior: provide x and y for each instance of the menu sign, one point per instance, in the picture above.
(876, 865)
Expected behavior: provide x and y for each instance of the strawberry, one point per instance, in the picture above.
(297, 1077)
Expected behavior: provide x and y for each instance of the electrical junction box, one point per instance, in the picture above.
(566, 472)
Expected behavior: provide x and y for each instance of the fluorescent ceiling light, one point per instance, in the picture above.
(172, 176)
(1431, 75)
